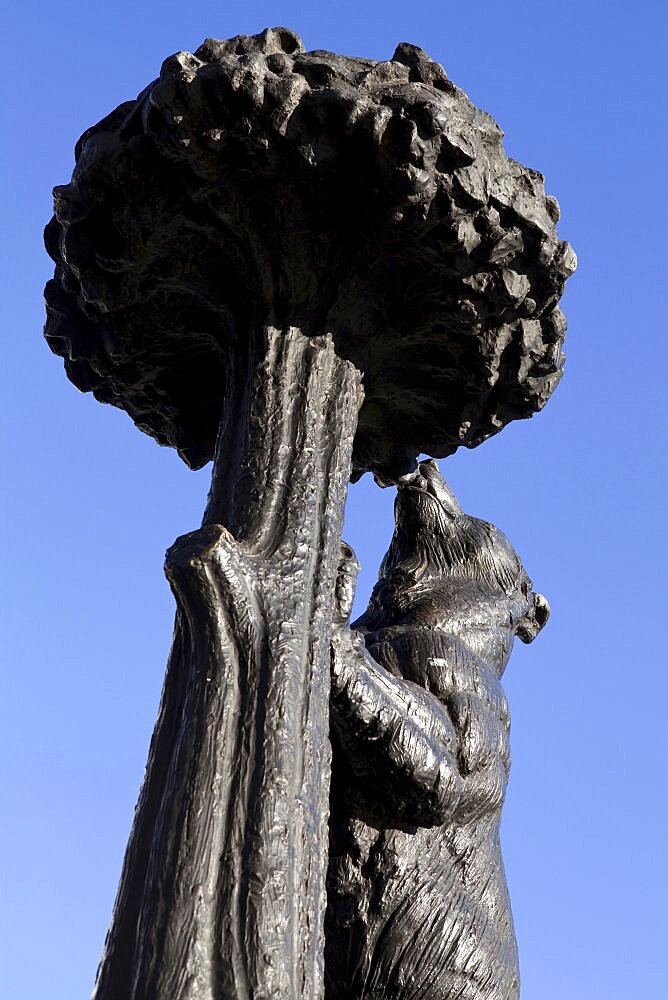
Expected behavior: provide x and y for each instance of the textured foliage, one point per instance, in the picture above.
(254, 183)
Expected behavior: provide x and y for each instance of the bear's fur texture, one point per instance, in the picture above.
(417, 902)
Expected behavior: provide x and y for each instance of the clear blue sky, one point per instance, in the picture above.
(91, 503)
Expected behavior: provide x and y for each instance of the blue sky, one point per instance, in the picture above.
(91, 504)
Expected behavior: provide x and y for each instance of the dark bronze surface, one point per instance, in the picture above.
(306, 266)
(223, 886)
(418, 905)
(254, 184)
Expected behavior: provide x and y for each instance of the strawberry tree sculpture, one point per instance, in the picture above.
(299, 266)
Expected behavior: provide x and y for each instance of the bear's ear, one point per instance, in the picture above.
(532, 622)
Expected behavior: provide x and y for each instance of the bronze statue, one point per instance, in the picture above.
(303, 267)
(418, 905)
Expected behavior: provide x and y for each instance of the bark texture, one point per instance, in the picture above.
(223, 889)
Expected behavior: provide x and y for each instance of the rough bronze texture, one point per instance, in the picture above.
(418, 905)
(256, 184)
(305, 266)
(223, 887)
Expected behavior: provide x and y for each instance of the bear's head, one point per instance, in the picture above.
(447, 570)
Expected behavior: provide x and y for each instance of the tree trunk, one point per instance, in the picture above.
(222, 893)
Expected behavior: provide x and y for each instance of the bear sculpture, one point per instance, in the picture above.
(418, 907)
